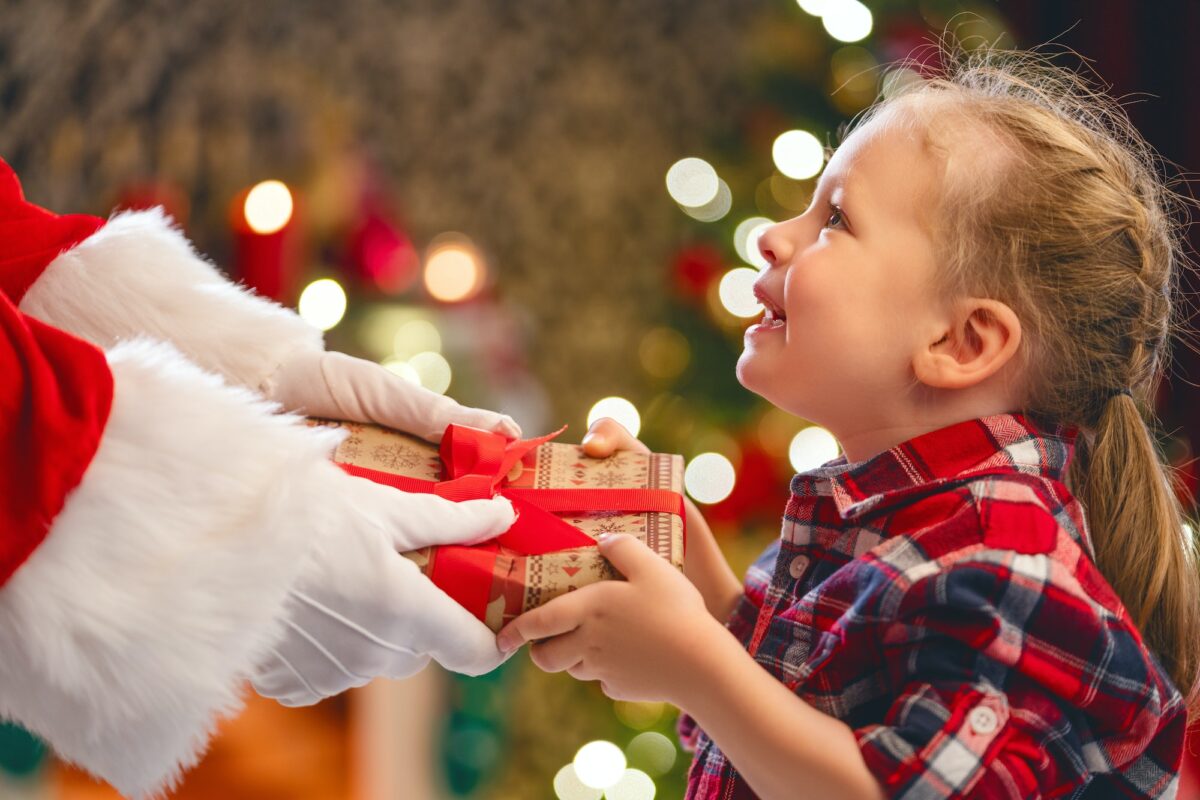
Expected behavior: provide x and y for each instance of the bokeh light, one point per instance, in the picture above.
(638, 716)
(621, 410)
(664, 353)
(453, 272)
(709, 478)
(567, 786)
(633, 785)
(404, 369)
(812, 447)
(599, 764)
(416, 336)
(433, 369)
(692, 182)
(651, 752)
(268, 207)
(737, 292)
(847, 20)
(322, 303)
(745, 240)
(714, 209)
(798, 154)
(815, 7)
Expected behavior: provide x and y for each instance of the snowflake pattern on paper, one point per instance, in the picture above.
(397, 456)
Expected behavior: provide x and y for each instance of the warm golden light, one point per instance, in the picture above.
(453, 273)
(268, 207)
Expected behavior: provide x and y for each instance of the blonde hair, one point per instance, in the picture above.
(1060, 212)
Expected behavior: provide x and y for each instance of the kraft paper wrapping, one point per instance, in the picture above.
(522, 582)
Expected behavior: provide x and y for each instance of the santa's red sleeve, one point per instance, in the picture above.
(153, 512)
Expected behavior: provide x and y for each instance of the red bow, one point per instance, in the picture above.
(475, 465)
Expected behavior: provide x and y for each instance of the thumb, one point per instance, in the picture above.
(414, 520)
(629, 556)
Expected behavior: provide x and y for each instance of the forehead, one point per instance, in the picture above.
(887, 169)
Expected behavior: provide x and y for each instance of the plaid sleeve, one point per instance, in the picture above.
(1009, 682)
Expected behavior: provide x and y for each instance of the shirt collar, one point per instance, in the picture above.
(995, 444)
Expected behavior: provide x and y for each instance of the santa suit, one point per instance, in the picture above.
(155, 510)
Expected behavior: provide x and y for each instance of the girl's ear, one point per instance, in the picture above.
(981, 337)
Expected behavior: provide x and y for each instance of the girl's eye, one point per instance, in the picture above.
(836, 218)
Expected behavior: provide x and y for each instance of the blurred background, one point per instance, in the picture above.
(541, 207)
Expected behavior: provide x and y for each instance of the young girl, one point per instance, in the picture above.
(990, 593)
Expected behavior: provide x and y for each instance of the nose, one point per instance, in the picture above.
(774, 246)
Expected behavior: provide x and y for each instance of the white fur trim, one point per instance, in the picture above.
(163, 581)
(138, 275)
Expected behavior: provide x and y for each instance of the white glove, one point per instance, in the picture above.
(362, 610)
(334, 385)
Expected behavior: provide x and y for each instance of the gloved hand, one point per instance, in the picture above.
(361, 610)
(335, 385)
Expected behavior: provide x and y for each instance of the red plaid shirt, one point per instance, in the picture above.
(941, 599)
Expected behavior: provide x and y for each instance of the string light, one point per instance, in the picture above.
(322, 303)
(811, 448)
(268, 207)
(709, 478)
(737, 292)
(599, 764)
(619, 409)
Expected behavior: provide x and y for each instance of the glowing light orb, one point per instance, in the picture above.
(567, 786)
(322, 303)
(692, 182)
(403, 369)
(737, 292)
(599, 764)
(709, 478)
(621, 410)
(798, 154)
(815, 7)
(745, 240)
(847, 20)
(416, 336)
(714, 209)
(268, 207)
(453, 273)
(652, 752)
(811, 448)
(433, 370)
(633, 785)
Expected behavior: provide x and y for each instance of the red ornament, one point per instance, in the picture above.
(695, 268)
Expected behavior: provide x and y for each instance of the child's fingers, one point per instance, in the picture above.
(606, 436)
(560, 615)
(558, 654)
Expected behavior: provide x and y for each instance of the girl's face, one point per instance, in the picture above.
(849, 291)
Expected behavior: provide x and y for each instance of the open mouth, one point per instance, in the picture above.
(773, 316)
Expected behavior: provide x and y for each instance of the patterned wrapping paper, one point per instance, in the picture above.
(522, 582)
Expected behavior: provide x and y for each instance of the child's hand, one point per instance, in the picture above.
(607, 436)
(637, 636)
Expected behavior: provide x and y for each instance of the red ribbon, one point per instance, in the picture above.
(475, 464)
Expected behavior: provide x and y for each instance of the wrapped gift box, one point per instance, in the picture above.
(549, 483)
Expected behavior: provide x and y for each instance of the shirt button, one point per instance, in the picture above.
(982, 720)
(799, 564)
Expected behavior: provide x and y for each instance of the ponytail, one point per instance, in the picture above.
(1136, 526)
